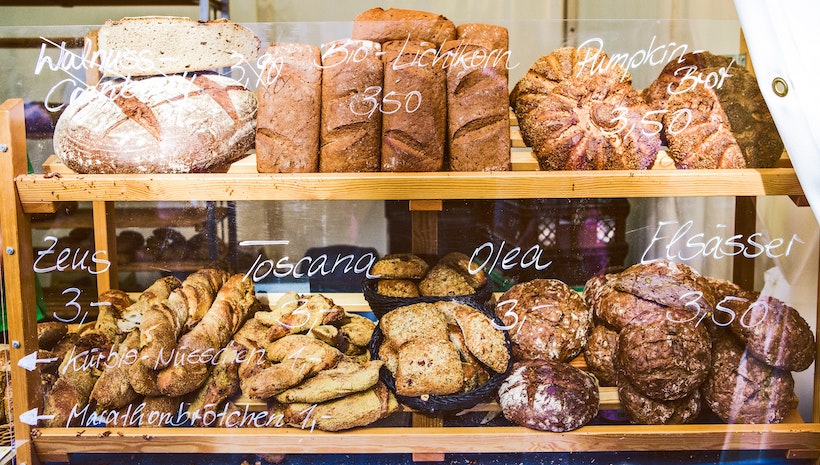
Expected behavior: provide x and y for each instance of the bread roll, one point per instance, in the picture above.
(129, 47)
(549, 396)
(352, 75)
(381, 25)
(290, 106)
(159, 124)
(414, 123)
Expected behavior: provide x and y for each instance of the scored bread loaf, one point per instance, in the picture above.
(477, 100)
(290, 106)
(380, 25)
(129, 47)
(352, 74)
(414, 135)
(159, 124)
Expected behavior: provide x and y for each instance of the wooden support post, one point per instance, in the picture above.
(105, 239)
(424, 225)
(743, 272)
(18, 274)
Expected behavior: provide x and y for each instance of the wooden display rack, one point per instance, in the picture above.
(427, 439)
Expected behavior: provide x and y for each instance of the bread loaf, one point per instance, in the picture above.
(381, 25)
(232, 305)
(644, 410)
(290, 106)
(549, 396)
(492, 35)
(129, 47)
(160, 124)
(477, 106)
(414, 127)
(352, 74)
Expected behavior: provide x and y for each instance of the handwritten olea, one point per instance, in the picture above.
(53, 258)
(487, 256)
(677, 241)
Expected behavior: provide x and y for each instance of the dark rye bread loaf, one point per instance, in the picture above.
(667, 283)
(159, 124)
(352, 72)
(741, 389)
(548, 320)
(600, 353)
(380, 25)
(413, 135)
(478, 125)
(644, 410)
(290, 106)
(664, 357)
(548, 396)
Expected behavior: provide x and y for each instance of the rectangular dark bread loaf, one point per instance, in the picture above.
(381, 26)
(414, 123)
(352, 73)
(290, 105)
(478, 126)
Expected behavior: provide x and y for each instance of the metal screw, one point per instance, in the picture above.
(15, 344)
(780, 87)
(4, 148)
(10, 250)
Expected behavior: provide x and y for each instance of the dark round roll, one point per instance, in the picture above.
(549, 396)
(643, 410)
(547, 319)
(742, 389)
(664, 357)
(600, 353)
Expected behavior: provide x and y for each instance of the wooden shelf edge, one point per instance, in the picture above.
(411, 186)
(796, 437)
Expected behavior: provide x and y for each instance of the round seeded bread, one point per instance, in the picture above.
(549, 396)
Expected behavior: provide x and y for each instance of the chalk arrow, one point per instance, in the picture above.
(31, 418)
(30, 361)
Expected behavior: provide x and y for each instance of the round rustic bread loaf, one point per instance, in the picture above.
(664, 357)
(400, 266)
(617, 308)
(547, 319)
(775, 333)
(741, 389)
(600, 354)
(641, 409)
(549, 396)
(577, 109)
(159, 124)
(714, 115)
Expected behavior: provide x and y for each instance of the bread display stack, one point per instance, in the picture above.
(549, 325)
(674, 341)
(144, 118)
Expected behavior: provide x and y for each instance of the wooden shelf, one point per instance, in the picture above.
(239, 184)
(54, 444)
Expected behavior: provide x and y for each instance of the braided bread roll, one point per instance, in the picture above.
(197, 350)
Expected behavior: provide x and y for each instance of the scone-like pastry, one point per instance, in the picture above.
(359, 409)
(397, 288)
(347, 377)
(482, 338)
(443, 280)
(472, 272)
(420, 321)
(428, 368)
(399, 266)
